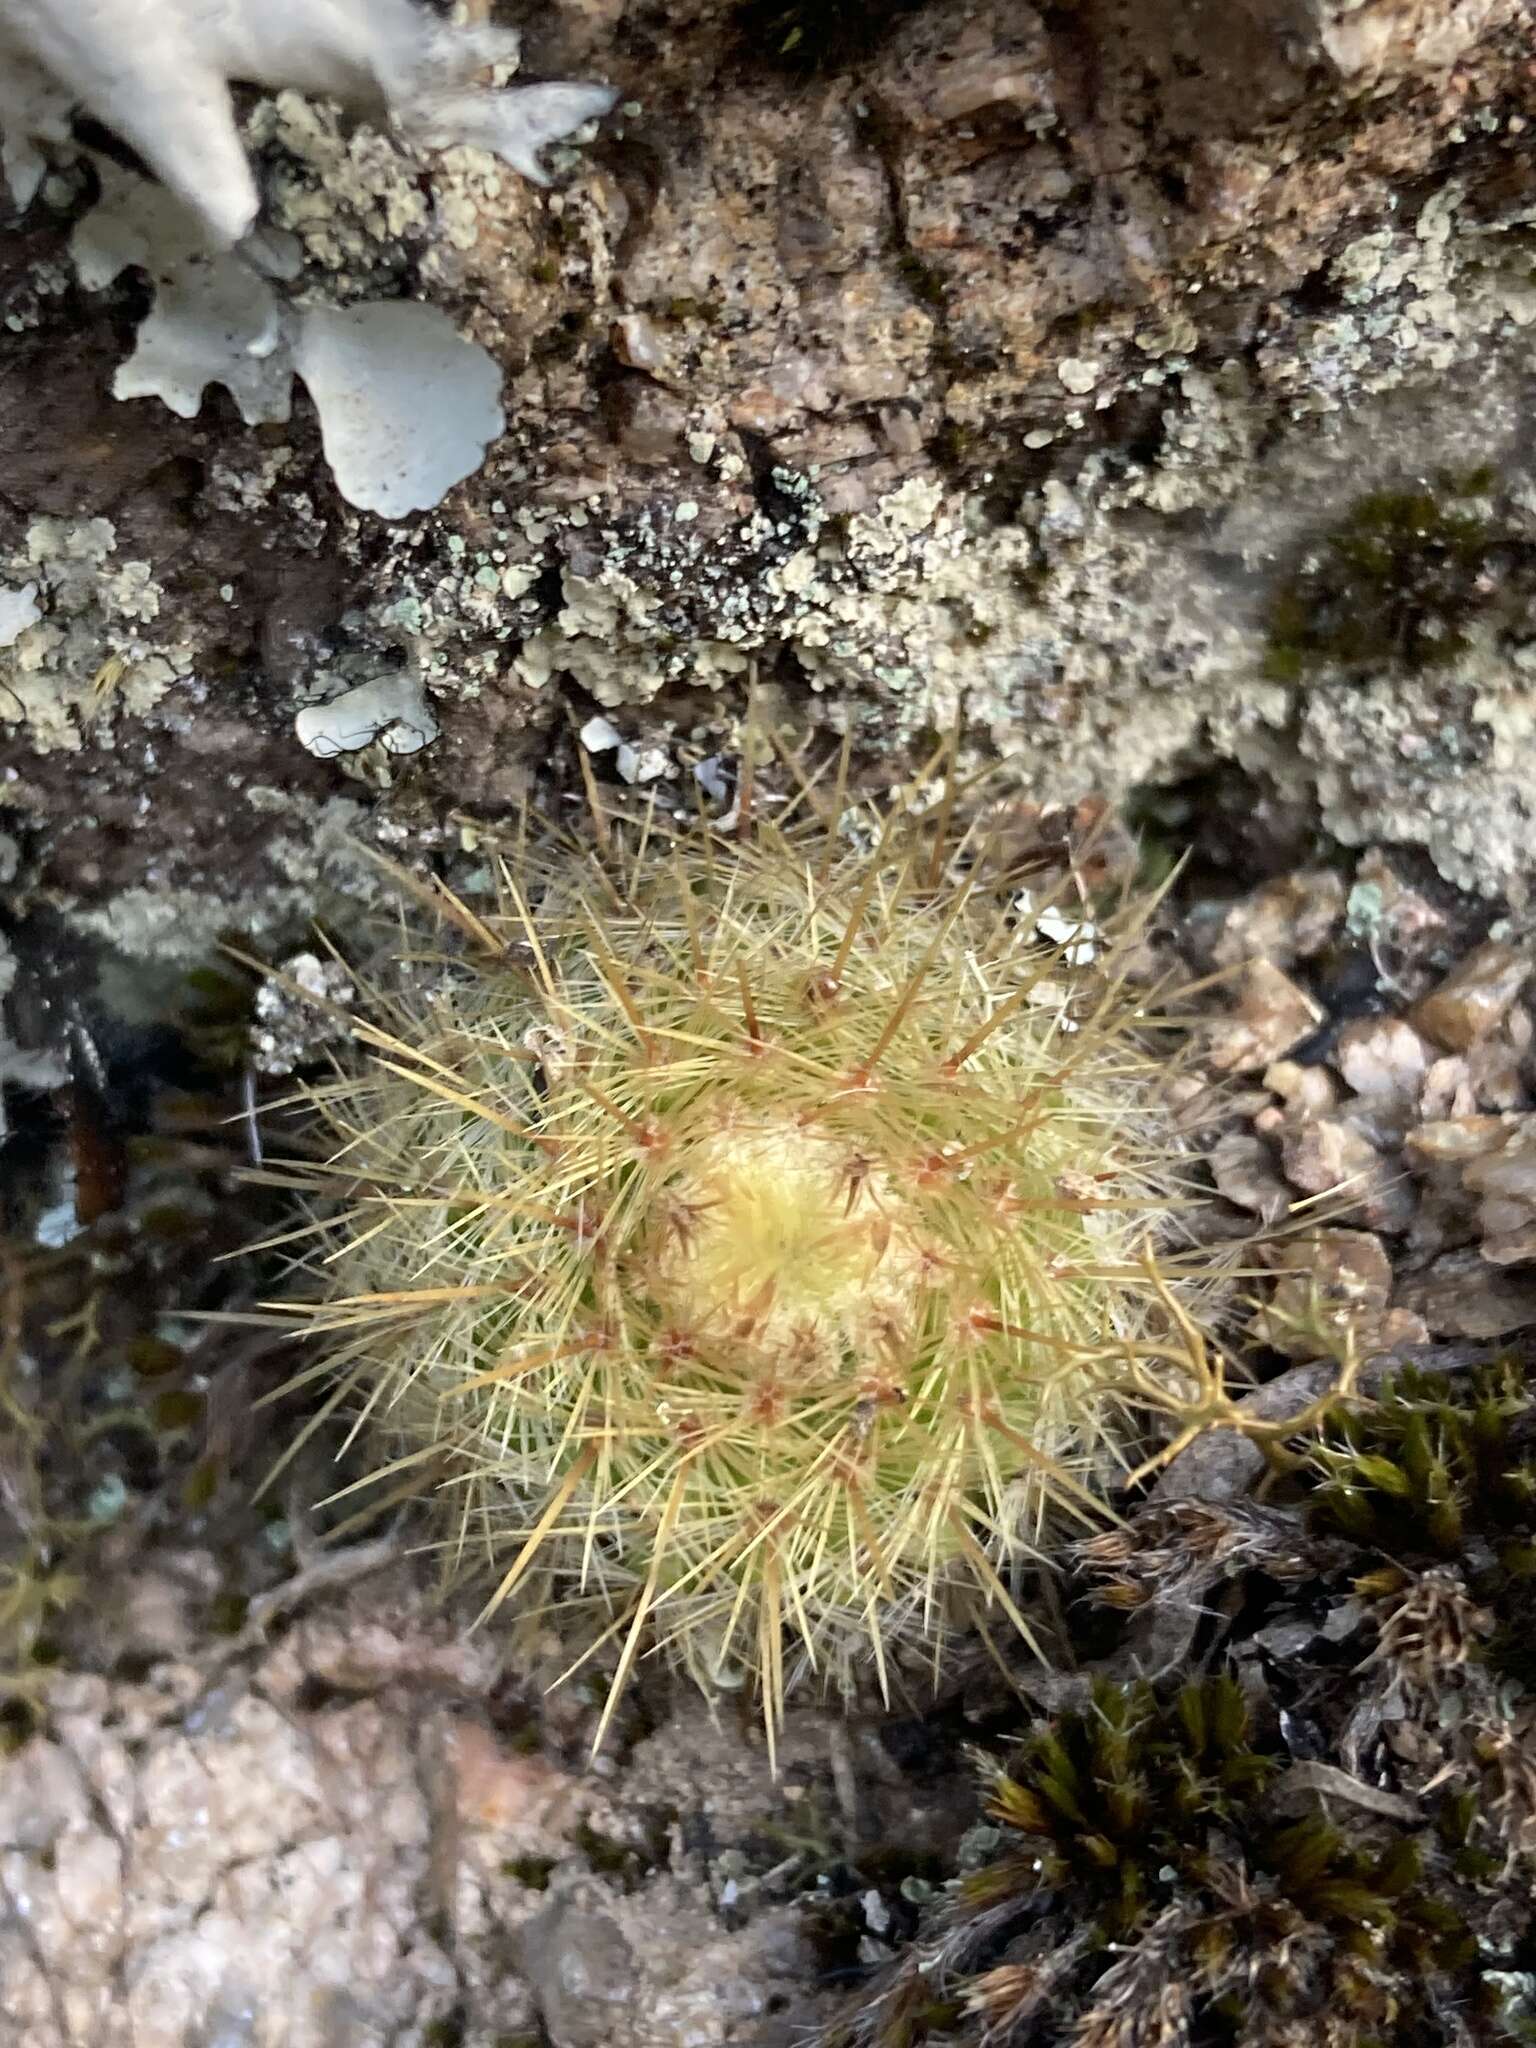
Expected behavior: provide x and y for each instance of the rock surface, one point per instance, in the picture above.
(331, 1845)
(1148, 380)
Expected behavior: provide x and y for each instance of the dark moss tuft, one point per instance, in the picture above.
(1148, 1869)
(1433, 1463)
(922, 280)
(1399, 580)
(1442, 1471)
(809, 36)
(1108, 1796)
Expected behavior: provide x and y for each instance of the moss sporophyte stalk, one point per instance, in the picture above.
(755, 1242)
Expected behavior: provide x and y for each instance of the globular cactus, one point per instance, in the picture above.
(755, 1236)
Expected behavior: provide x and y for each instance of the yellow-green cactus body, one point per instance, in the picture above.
(749, 1240)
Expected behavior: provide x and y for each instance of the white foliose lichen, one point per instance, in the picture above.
(158, 72)
(390, 710)
(407, 406)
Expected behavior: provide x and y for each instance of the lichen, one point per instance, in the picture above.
(407, 406)
(86, 639)
(313, 855)
(159, 73)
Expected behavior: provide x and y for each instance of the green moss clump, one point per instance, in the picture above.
(1148, 1877)
(806, 37)
(922, 280)
(1108, 1798)
(217, 1015)
(1432, 1464)
(1441, 1471)
(1398, 581)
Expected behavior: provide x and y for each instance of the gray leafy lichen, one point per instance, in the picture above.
(158, 72)
(82, 640)
(407, 406)
(369, 369)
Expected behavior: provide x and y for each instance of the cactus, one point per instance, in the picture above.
(756, 1237)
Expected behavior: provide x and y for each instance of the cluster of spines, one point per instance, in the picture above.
(565, 1292)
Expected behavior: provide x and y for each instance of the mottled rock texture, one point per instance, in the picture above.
(1147, 380)
(352, 1840)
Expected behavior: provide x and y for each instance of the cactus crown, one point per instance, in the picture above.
(751, 1235)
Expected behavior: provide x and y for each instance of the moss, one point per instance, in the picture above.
(952, 445)
(1109, 1796)
(177, 1409)
(1146, 1865)
(563, 342)
(1432, 1464)
(609, 1857)
(1443, 1471)
(806, 37)
(1399, 580)
(922, 280)
(200, 1487)
(227, 1613)
(102, 1425)
(216, 1016)
(152, 1358)
(680, 310)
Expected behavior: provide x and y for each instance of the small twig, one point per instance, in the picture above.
(248, 1113)
(844, 1779)
(1223, 1463)
(328, 1570)
(1327, 1781)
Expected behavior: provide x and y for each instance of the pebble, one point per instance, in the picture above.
(1078, 374)
(1273, 1016)
(1496, 1069)
(1460, 1295)
(1452, 1141)
(1288, 919)
(1305, 1091)
(1447, 1090)
(1332, 1155)
(1504, 1179)
(581, 1970)
(1382, 906)
(1335, 1283)
(1383, 1057)
(1244, 1170)
(1473, 999)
